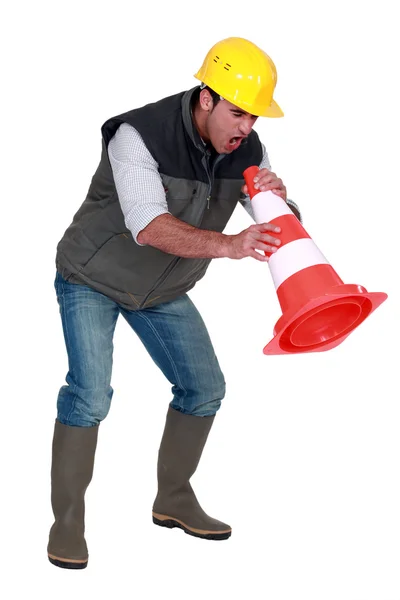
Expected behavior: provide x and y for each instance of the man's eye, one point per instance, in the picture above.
(237, 114)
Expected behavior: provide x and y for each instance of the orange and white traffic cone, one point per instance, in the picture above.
(318, 310)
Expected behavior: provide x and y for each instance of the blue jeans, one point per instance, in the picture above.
(173, 333)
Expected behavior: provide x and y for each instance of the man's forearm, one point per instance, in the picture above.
(173, 236)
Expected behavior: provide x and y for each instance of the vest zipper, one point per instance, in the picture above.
(210, 175)
(160, 280)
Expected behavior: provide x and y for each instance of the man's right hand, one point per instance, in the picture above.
(251, 239)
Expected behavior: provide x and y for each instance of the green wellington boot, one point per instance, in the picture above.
(71, 472)
(176, 504)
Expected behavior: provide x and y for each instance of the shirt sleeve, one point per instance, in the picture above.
(137, 179)
(245, 198)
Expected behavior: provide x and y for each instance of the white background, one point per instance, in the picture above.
(303, 459)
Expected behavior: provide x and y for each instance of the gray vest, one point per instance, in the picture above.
(98, 250)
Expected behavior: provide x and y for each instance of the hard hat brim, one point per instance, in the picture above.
(273, 111)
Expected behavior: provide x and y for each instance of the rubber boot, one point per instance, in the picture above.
(176, 504)
(71, 472)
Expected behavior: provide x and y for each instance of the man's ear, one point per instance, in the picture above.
(206, 101)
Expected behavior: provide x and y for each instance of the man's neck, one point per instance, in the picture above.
(199, 118)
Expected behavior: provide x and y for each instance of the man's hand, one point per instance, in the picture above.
(251, 239)
(266, 180)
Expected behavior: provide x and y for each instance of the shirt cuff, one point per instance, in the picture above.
(293, 207)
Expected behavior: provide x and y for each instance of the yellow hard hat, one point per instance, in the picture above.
(243, 74)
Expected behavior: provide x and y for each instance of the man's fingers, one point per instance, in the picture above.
(268, 239)
(265, 247)
(267, 180)
(265, 227)
(259, 256)
(272, 185)
(261, 236)
(263, 174)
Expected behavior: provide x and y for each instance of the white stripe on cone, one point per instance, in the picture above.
(293, 257)
(267, 206)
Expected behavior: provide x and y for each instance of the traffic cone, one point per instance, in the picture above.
(318, 310)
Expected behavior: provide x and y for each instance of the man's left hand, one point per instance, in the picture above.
(266, 180)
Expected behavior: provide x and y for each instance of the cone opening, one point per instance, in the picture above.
(325, 324)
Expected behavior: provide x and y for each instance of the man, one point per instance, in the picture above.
(169, 178)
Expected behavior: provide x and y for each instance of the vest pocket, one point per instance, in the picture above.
(144, 273)
(122, 265)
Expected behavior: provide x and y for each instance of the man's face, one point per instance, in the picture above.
(226, 126)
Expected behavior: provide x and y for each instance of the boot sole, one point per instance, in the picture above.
(67, 564)
(165, 521)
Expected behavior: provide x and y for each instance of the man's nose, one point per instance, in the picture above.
(246, 126)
